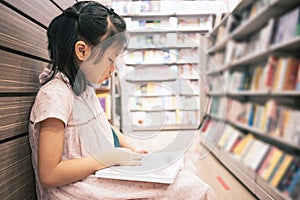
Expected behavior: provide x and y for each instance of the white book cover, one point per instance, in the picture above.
(161, 167)
(232, 139)
(255, 155)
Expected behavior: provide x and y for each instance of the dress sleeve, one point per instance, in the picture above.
(52, 101)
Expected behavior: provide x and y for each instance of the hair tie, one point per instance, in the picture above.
(111, 11)
(71, 12)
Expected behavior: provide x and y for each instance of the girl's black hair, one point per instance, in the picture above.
(88, 21)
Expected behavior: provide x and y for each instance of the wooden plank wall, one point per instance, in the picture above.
(23, 55)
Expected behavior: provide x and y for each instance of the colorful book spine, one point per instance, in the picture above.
(243, 145)
(266, 163)
(281, 170)
(277, 165)
(275, 157)
(288, 176)
(294, 188)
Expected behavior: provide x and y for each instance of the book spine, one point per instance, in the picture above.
(281, 170)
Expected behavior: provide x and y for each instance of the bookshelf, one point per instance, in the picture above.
(104, 93)
(160, 72)
(253, 75)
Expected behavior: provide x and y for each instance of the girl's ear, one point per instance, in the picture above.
(82, 50)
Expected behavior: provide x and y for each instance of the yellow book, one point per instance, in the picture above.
(151, 88)
(269, 108)
(243, 144)
(280, 73)
(273, 161)
(281, 170)
(256, 78)
(286, 122)
(225, 136)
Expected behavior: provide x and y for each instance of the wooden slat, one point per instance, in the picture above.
(65, 3)
(19, 183)
(14, 116)
(41, 11)
(12, 152)
(21, 34)
(24, 192)
(19, 73)
(16, 170)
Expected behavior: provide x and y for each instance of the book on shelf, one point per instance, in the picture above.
(257, 76)
(245, 83)
(161, 167)
(269, 72)
(276, 167)
(230, 49)
(290, 76)
(239, 112)
(270, 163)
(291, 129)
(204, 124)
(282, 170)
(298, 79)
(288, 176)
(287, 26)
(167, 7)
(268, 115)
(105, 102)
(243, 146)
(265, 35)
(250, 114)
(286, 74)
(272, 118)
(225, 135)
(230, 142)
(235, 81)
(294, 188)
(201, 22)
(236, 143)
(189, 117)
(256, 154)
(158, 56)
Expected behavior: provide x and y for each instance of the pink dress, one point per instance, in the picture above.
(56, 100)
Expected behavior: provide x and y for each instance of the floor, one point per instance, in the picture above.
(225, 185)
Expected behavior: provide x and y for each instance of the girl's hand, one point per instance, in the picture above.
(119, 156)
(142, 150)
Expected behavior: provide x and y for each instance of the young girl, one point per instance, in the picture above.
(69, 140)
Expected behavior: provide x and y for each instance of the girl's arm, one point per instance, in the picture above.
(128, 143)
(53, 171)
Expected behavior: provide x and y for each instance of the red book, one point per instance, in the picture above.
(266, 162)
(270, 73)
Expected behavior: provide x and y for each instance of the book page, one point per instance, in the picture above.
(161, 167)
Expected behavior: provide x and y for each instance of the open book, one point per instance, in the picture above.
(161, 167)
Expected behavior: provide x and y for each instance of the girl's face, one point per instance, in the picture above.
(97, 69)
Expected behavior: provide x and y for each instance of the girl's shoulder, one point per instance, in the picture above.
(58, 85)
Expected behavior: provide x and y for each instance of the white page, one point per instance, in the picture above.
(159, 167)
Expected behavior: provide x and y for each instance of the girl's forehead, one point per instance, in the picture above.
(114, 50)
